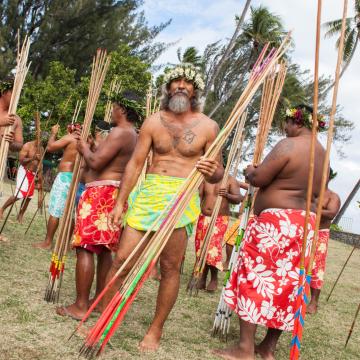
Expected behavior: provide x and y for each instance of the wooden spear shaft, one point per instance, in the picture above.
(325, 173)
(297, 331)
(353, 325)
(341, 271)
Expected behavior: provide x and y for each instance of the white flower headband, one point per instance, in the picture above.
(187, 71)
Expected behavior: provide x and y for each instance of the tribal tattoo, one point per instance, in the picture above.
(180, 133)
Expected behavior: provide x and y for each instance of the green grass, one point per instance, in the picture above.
(31, 330)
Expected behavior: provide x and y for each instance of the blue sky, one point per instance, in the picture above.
(200, 22)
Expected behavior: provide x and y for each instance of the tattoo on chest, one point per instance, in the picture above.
(179, 133)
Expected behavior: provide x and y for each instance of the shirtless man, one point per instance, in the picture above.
(230, 195)
(178, 135)
(92, 235)
(102, 129)
(29, 158)
(331, 207)
(15, 137)
(273, 240)
(63, 179)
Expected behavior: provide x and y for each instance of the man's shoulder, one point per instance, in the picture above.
(118, 132)
(29, 145)
(210, 126)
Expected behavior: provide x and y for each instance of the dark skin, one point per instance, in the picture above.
(331, 207)
(282, 176)
(15, 137)
(105, 161)
(282, 180)
(230, 195)
(178, 141)
(68, 143)
(29, 158)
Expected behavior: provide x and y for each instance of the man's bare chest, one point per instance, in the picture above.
(186, 139)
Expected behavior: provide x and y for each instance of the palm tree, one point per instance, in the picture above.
(262, 27)
(191, 55)
(352, 35)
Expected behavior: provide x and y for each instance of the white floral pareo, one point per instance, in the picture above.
(263, 286)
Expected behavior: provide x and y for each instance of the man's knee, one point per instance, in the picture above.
(169, 267)
(119, 261)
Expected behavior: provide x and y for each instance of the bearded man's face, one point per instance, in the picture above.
(181, 92)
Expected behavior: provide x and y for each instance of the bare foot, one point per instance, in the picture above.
(71, 311)
(312, 308)
(3, 238)
(212, 286)
(151, 341)
(234, 353)
(20, 219)
(42, 245)
(264, 353)
(201, 284)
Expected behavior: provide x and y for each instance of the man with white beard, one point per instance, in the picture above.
(178, 135)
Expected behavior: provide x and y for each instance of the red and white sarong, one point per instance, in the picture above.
(25, 181)
(214, 257)
(263, 286)
(318, 272)
(91, 228)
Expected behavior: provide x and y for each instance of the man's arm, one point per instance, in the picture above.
(57, 145)
(18, 141)
(208, 199)
(233, 194)
(136, 163)
(24, 158)
(264, 174)
(332, 207)
(106, 151)
(212, 170)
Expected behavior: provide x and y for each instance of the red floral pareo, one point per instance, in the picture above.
(264, 284)
(214, 257)
(318, 272)
(92, 217)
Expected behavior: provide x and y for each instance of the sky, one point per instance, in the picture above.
(201, 22)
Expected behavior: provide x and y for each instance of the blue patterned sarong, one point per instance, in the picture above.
(59, 193)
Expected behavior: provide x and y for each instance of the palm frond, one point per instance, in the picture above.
(334, 27)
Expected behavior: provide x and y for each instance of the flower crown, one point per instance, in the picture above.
(5, 86)
(129, 104)
(75, 126)
(188, 72)
(301, 116)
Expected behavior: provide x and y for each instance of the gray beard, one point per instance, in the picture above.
(179, 103)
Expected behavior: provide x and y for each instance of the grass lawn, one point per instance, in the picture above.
(30, 329)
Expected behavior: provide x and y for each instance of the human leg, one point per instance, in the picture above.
(52, 226)
(7, 203)
(266, 349)
(104, 262)
(314, 302)
(212, 286)
(23, 208)
(202, 281)
(245, 350)
(85, 270)
(170, 264)
(128, 241)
